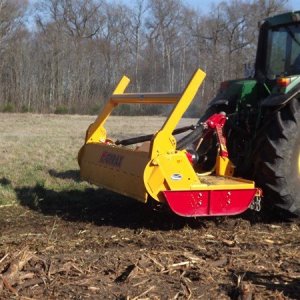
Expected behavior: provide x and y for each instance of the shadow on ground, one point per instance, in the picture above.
(69, 174)
(102, 207)
(273, 282)
(283, 287)
(4, 181)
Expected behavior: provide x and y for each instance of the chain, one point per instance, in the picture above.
(256, 203)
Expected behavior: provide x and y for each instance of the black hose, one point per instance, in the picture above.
(190, 138)
(145, 138)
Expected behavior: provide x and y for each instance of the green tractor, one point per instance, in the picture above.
(263, 127)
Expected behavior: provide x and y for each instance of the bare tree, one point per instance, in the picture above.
(78, 49)
(11, 19)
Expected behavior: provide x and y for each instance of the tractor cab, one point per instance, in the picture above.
(278, 53)
(277, 71)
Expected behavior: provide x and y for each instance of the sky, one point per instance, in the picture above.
(205, 5)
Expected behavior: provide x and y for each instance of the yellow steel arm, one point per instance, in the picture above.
(164, 141)
(96, 131)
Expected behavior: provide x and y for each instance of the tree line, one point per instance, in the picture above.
(66, 56)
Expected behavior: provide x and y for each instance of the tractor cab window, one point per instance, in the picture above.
(283, 53)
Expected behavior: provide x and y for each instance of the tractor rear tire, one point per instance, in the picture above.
(277, 169)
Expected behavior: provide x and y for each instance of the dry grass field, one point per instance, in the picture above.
(61, 238)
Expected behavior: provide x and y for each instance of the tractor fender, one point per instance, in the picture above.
(281, 99)
(233, 92)
(219, 101)
(223, 99)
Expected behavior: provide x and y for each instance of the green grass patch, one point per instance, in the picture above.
(39, 155)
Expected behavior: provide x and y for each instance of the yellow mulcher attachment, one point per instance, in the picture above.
(156, 169)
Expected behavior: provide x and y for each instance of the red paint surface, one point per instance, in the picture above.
(209, 203)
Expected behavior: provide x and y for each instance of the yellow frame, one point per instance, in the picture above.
(164, 140)
(161, 168)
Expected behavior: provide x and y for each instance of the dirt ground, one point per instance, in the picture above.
(112, 247)
(82, 242)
